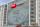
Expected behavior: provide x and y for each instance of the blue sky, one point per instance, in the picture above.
(4, 1)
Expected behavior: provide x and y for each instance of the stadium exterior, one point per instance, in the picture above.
(3, 13)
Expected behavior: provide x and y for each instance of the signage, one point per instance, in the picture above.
(13, 5)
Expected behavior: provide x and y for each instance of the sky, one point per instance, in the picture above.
(4, 1)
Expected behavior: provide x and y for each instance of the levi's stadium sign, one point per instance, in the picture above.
(13, 5)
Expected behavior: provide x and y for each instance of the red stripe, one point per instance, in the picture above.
(20, 3)
(23, 23)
